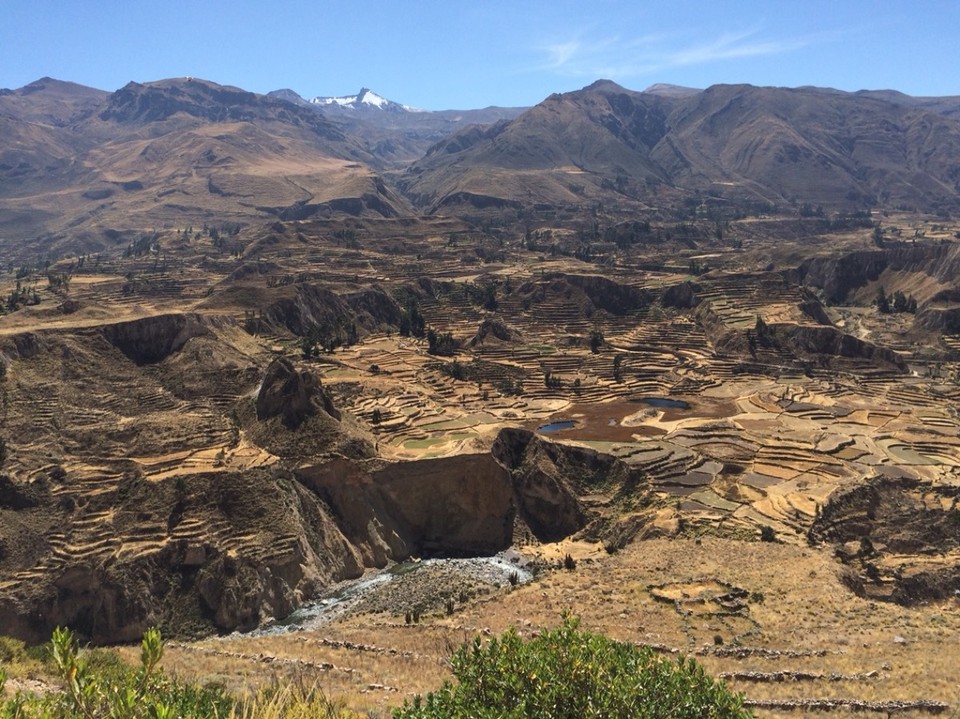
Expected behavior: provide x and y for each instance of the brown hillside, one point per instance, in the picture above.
(742, 142)
(170, 153)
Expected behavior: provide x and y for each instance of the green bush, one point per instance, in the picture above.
(11, 650)
(568, 673)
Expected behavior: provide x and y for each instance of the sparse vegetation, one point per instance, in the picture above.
(143, 448)
(441, 343)
(97, 686)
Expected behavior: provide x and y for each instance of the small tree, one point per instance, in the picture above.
(883, 302)
(618, 369)
(596, 341)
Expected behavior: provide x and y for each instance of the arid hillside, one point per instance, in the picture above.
(736, 143)
(84, 169)
(684, 362)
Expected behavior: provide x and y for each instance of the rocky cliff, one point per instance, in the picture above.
(229, 547)
(898, 536)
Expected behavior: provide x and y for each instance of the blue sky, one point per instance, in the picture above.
(442, 55)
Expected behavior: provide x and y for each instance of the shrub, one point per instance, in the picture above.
(97, 685)
(11, 650)
(568, 673)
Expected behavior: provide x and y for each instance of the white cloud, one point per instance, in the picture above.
(561, 54)
(648, 54)
(733, 45)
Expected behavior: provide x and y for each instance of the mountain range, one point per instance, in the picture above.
(84, 165)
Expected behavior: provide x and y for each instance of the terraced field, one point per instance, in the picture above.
(726, 407)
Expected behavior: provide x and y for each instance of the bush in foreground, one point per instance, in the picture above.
(97, 684)
(568, 673)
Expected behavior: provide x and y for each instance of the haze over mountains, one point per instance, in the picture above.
(81, 163)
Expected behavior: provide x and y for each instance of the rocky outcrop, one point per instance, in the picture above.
(807, 341)
(312, 306)
(468, 504)
(17, 495)
(942, 320)
(683, 296)
(495, 330)
(605, 294)
(544, 490)
(291, 395)
(795, 343)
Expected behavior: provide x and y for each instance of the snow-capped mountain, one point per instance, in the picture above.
(366, 99)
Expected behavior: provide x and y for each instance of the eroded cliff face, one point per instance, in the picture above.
(224, 551)
(462, 505)
(840, 277)
(452, 506)
(152, 339)
(898, 537)
(310, 306)
(793, 343)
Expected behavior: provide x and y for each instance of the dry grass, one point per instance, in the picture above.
(804, 612)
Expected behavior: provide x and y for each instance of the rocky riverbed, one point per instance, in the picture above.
(414, 588)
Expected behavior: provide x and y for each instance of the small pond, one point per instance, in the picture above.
(557, 426)
(666, 402)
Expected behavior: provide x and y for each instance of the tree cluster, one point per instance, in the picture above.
(441, 343)
(895, 303)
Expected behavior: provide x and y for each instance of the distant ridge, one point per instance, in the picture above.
(743, 143)
(667, 90)
(185, 150)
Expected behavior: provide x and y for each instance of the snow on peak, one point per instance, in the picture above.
(365, 99)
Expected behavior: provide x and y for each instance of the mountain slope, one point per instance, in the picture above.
(771, 144)
(172, 152)
(395, 134)
(51, 102)
(551, 153)
(808, 145)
